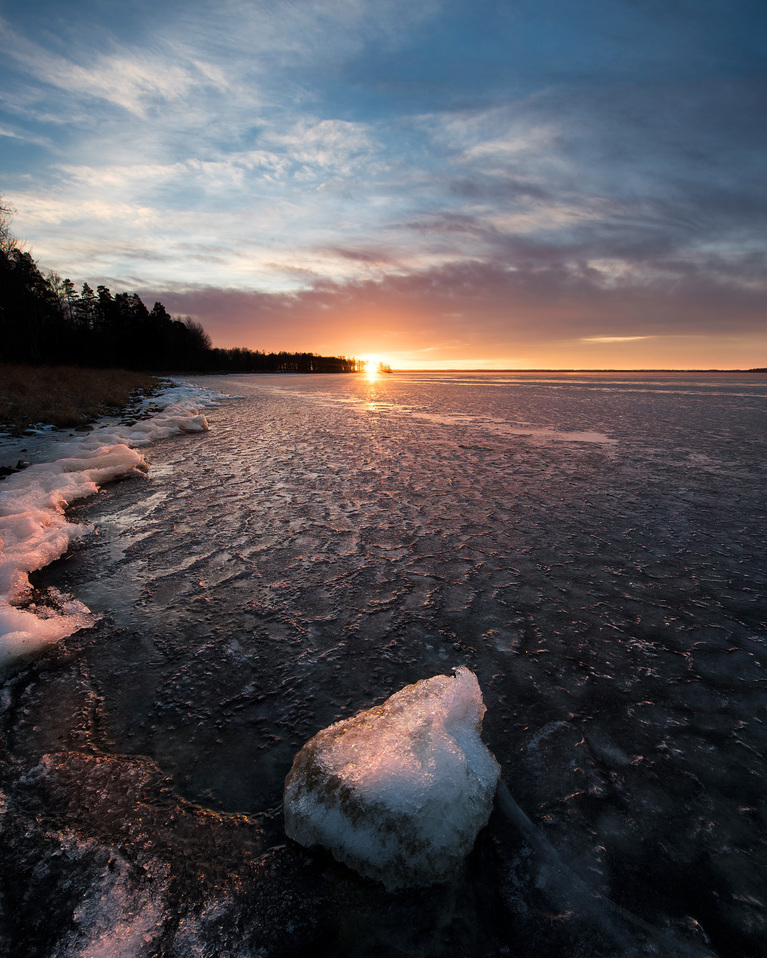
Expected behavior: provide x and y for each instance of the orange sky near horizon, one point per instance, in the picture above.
(682, 353)
(415, 332)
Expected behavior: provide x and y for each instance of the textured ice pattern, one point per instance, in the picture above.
(399, 791)
(592, 547)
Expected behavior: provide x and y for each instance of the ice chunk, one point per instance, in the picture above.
(400, 791)
(23, 632)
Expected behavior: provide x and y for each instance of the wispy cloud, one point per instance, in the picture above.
(137, 83)
(126, 77)
(612, 339)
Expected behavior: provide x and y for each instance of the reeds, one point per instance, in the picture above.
(65, 396)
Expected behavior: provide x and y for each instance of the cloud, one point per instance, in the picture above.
(322, 145)
(11, 134)
(135, 82)
(613, 339)
(599, 178)
(131, 78)
(475, 309)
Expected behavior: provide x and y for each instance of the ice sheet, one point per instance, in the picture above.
(309, 557)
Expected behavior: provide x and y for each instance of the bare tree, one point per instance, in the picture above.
(199, 339)
(7, 241)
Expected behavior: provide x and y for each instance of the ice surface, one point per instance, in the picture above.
(34, 530)
(610, 598)
(400, 791)
(119, 916)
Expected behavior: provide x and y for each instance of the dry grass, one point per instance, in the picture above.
(65, 396)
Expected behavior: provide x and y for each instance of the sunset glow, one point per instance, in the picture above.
(373, 364)
(439, 179)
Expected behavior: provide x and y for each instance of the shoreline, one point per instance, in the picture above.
(40, 406)
(61, 468)
(67, 397)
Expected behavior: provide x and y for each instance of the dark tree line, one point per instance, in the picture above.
(254, 361)
(45, 320)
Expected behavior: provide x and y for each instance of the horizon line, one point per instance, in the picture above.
(576, 369)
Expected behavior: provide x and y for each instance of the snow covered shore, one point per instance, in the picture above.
(34, 529)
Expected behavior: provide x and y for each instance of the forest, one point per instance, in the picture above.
(44, 320)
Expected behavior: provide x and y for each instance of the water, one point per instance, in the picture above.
(591, 545)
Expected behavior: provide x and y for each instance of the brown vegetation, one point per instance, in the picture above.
(65, 396)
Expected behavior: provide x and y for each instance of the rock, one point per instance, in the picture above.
(400, 791)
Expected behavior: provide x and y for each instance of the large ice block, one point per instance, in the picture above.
(400, 791)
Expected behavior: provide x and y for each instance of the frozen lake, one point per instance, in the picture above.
(592, 546)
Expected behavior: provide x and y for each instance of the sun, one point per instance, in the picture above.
(374, 365)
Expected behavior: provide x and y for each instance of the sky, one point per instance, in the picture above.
(442, 183)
